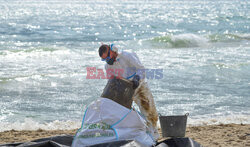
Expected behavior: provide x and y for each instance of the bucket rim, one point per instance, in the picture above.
(187, 114)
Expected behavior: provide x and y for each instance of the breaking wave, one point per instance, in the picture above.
(30, 124)
(193, 40)
(180, 41)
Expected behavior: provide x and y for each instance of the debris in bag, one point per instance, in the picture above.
(119, 90)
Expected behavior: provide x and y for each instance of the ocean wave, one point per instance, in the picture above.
(180, 41)
(216, 120)
(30, 124)
(41, 53)
(193, 40)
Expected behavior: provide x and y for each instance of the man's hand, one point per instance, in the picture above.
(136, 81)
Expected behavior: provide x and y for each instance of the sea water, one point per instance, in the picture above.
(202, 48)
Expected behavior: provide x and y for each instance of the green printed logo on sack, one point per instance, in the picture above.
(101, 125)
(97, 134)
(97, 130)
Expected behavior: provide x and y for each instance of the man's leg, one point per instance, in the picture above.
(144, 99)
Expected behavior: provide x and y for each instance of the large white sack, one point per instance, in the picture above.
(106, 121)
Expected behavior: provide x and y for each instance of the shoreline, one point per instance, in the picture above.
(207, 135)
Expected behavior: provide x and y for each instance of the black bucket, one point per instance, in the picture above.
(173, 126)
(119, 90)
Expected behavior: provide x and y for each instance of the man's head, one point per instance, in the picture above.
(107, 54)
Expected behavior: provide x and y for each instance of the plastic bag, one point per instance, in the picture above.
(106, 121)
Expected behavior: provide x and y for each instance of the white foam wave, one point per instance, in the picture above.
(236, 119)
(30, 124)
(190, 39)
(181, 40)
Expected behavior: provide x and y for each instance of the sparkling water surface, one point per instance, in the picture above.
(202, 46)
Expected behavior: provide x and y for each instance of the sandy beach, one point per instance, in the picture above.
(224, 135)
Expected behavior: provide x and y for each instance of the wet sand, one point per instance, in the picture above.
(224, 135)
